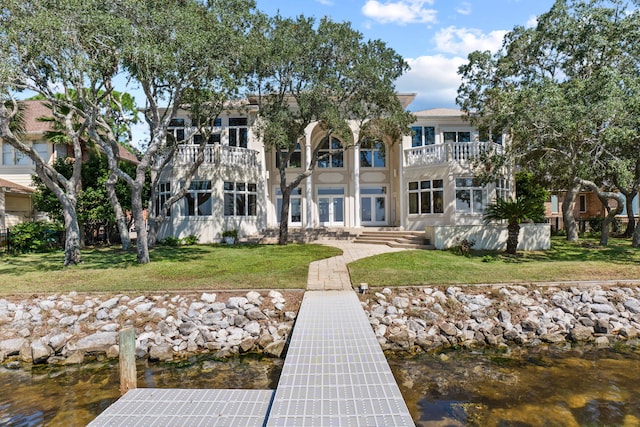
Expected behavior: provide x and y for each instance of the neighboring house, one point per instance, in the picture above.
(586, 207)
(16, 168)
(424, 181)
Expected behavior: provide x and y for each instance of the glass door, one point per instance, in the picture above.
(331, 206)
(373, 206)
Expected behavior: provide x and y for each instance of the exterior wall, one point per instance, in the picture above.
(593, 209)
(532, 237)
(20, 173)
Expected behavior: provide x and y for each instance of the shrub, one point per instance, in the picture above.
(171, 241)
(36, 236)
(191, 239)
(463, 247)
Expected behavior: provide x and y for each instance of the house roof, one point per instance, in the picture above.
(35, 109)
(439, 112)
(12, 187)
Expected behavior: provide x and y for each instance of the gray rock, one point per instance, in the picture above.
(57, 342)
(255, 314)
(581, 333)
(400, 302)
(274, 348)
(40, 351)
(254, 297)
(602, 342)
(99, 341)
(67, 320)
(187, 328)
(12, 346)
(633, 305)
(448, 329)
(208, 298)
(110, 303)
(144, 307)
(602, 308)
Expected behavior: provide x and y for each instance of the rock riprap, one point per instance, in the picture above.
(69, 328)
(433, 318)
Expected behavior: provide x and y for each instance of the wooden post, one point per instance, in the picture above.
(127, 360)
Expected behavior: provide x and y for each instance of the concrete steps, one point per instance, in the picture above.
(394, 239)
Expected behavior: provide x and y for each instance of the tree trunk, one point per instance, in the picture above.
(283, 232)
(72, 233)
(142, 246)
(512, 239)
(569, 221)
(631, 219)
(121, 218)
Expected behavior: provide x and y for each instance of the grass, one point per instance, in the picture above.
(231, 267)
(565, 261)
(201, 267)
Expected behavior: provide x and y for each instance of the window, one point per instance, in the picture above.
(470, 196)
(583, 203)
(198, 201)
(503, 188)
(176, 129)
(426, 197)
(328, 157)
(372, 154)
(554, 204)
(14, 157)
(295, 161)
(295, 206)
(423, 136)
(493, 135)
(163, 193)
(238, 132)
(456, 136)
(240, 199)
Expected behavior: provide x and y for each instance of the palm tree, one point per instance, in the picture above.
(514, 212)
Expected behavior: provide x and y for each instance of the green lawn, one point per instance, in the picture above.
(199, 267)
(584, 260)
(222, 267)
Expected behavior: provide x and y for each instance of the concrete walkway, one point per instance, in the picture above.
(332, 274)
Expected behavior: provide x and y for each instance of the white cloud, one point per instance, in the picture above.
(462, 41)
(434, 79)
(325, 2)
(464, 8)
(400, 12)
(532, 22)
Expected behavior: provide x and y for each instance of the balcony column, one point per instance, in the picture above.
(308, 195)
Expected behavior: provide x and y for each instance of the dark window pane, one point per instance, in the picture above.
(464, 136)
(228, 204)
(416, 141)
(425, 202)
(176, 123)
(237, 121)
(252, 205)
(438, 202)
(429, 135)
(241, 201)
(413, 185)
(205, 204)
(365, 159)
(413, 203)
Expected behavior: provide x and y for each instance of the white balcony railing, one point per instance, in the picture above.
(219, 155)
(448, 152)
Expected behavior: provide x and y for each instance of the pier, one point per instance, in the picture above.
(334, 374)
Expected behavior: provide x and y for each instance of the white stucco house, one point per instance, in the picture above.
(424, 183)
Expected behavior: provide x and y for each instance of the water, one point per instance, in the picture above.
(456, 389)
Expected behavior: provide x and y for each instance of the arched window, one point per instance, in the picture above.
(330, 156)
(372, 154)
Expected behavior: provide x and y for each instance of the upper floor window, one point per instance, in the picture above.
(176, 129)
(14, 157)
(330, 156)
(456, 136)
(493, 135)
(372, 154)
(238, 132)
(471, 196)
(423, 135)
(295, 161)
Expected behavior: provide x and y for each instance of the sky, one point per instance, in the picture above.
(434, 36)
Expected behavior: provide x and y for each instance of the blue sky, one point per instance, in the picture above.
(434, 36)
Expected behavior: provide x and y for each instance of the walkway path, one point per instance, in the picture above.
(332, 273)
(335, 373)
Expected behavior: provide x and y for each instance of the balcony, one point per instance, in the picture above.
(459, 152)
(219, 155)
